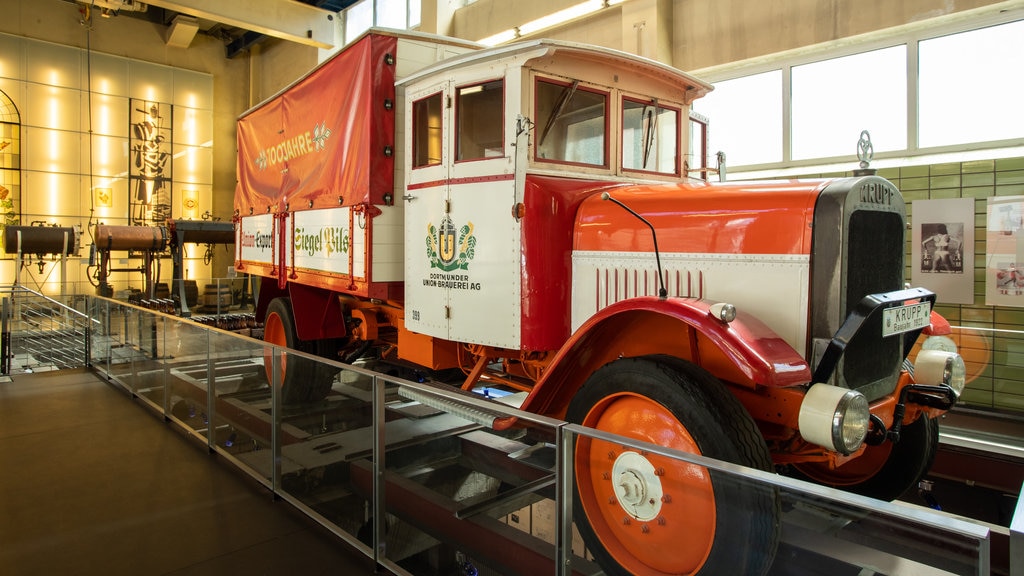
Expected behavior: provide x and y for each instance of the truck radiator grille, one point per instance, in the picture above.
(870, 268)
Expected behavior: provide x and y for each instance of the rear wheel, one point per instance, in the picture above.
(645, 514)
(885, 471)
(302, 380)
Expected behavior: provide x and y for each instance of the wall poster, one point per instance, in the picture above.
(149, 166)
(943, 248)
(1004, 252)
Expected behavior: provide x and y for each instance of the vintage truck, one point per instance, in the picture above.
(537, 216)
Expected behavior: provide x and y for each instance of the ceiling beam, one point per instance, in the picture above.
(283, 19)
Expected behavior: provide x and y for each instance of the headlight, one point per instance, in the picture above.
(944, 343)
(935, 367)
(835, 418)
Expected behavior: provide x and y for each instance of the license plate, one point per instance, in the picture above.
(905, 318)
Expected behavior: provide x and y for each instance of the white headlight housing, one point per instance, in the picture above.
(935, 367)
(834, 418)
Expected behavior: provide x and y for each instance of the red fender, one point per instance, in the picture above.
(744, 351)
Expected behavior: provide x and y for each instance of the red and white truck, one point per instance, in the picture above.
(526, 214)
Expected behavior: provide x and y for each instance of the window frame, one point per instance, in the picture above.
(677, 155)
(457, 116)
(535, 145)
(415, 149)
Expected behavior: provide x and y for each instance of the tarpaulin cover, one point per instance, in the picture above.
(324, 137)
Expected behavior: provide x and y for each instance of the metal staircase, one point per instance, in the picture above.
(39, 333)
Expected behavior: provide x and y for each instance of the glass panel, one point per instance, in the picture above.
(52, 107)
(195, 200)
(187, 353)
(109, 155)
(571, 123)
(48, 150)
(745, 117)
(426, 130)
(109, 115)
(327, 443)
(650, 134)
(193, 164)
(151, 82)
(660, 494)
(50, 195)
(697, 156)
(980, 62)
(358, 19)
(11, 55)
(109, 74)
(243, 408)
(193, 126)
(414, 14)
(479, 112)
(193, 89)
(830, 106)
(445, 459)
(53, 65)
(391, 14)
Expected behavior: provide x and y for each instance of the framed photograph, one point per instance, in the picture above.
(1004, 252)
(942, 254)
(149, 163)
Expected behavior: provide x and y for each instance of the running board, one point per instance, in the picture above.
(481, 416)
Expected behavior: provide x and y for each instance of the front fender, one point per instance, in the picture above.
(744, 351)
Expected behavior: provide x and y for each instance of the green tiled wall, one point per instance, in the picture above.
(999, 383)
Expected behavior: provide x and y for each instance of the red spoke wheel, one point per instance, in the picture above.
(302, 380)
(885, 471)
(643, 514)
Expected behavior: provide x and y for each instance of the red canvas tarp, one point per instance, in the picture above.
(324, 137)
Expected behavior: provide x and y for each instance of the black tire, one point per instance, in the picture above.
(886, 471)
(717, 524)
(303, 380)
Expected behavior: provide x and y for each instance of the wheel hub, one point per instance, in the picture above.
(637, 486)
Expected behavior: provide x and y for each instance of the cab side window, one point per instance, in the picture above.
(650, 137)
(426, 131)
(479, 121)
(571, 123)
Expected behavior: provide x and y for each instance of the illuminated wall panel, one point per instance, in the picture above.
(193, 164)
(52, 107)
(48, 150)
(107, 114)
(109, 75)
(150, 82)
(192, 126)
(109, 156)
(52, 195)
(192, 89)
(53, 65)
(12, 57)
(193, 200)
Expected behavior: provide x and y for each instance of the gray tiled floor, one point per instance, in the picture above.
(93, 483)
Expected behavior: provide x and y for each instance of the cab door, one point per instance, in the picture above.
(427, 127)
(462, 242)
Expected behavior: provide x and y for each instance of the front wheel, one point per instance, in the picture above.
(645, 514)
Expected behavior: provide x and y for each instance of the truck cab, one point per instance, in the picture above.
(504, 144)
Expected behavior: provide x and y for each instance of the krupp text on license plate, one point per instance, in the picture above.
(905, 318)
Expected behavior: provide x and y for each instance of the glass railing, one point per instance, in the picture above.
(423, 477)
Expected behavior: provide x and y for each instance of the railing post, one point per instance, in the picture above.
(5, 338)
(1017, 538)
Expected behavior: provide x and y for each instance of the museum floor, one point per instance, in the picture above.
(92, 484)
